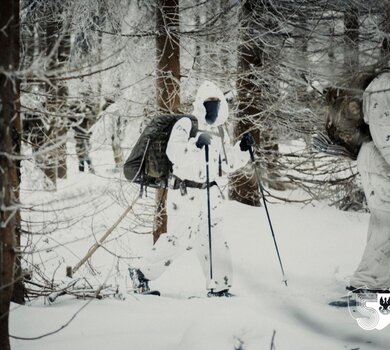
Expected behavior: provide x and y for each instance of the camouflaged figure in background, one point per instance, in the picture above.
(81, 122)
(345, 122)
(359, 119)
(373, 271)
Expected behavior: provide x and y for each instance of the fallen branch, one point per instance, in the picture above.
(99, 243)
(62, 291)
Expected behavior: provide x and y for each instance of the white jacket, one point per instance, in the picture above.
(188, 160)
(376, 108)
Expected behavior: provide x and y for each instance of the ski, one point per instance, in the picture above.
(221, 294)
(355, 299)
(343, 303)
(154, 292)
(151, 292)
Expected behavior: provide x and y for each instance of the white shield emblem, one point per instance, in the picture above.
(370, 310)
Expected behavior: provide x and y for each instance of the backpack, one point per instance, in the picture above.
(148, 163)
(345, 124)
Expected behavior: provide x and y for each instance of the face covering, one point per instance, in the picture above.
(212, 108)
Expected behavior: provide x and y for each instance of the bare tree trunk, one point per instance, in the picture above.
(168, 56)
(62, 95)
(57, 50)
(18, 288)
(10, 131)
(244, 188)
(385, 52)
(100, 24)
(168, 82)
(256, 65)
(351, 31)
(27, 38)
(51, 102)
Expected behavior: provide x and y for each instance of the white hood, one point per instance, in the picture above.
(207, 90)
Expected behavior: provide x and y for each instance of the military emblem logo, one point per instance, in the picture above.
(370, 310)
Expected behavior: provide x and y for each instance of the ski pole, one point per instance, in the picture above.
(222, 136)
(266, 210)
(209, 215)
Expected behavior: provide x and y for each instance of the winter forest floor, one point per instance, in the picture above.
(320, 247)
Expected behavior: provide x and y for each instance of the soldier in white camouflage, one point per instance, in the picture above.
(373, 272)
(81, 121)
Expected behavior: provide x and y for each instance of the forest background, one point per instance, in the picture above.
(110, 67)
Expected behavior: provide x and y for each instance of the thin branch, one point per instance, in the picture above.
(80, 76)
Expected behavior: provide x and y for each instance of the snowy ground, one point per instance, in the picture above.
(320, 247)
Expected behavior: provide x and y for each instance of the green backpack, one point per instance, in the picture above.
(345, 124)
(148, 163)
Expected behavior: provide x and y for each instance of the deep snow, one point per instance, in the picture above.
(320, 247)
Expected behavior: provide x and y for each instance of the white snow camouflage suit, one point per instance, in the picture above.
(187, 214)
(373, 163)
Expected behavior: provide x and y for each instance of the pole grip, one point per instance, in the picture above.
(206, 148)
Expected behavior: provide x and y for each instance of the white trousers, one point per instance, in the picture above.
(188, 231)
(373, 271)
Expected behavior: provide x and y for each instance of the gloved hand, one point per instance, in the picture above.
(203, 140)
(247, 142)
